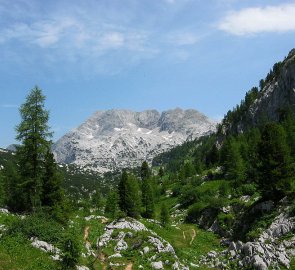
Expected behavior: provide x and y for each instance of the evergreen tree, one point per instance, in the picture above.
(189, 169)
(275, 168)
(253, 139)
(165, 218)
(122, 188)
(33, 133)
(161, 172)
(233, 163)
(148, 198)
(52, 192)
(132, 197)
(147, 191)
(112, 204)
(14, 196)
(145, 171)
(71, 251)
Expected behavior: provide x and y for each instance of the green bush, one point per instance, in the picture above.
(71, 250)
(247, 189)
(39, 225)
(226, 221)
(194, 211)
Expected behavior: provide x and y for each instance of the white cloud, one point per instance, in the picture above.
(256, 20)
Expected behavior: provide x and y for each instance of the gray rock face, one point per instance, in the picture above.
(277, 94)
(265, 252)
(116, 139)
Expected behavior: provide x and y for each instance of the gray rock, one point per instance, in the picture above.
(258, 263)
(146, 250)
(121, 245)
(157, 265)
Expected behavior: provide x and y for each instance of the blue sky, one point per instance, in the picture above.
(136, 54)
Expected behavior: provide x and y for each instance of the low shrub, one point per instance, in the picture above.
(194, 211)
(39, 225)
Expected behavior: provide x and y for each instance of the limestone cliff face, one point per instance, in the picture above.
(277, 94)
(115, 139)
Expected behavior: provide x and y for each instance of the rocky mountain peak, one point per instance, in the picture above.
(115, 139)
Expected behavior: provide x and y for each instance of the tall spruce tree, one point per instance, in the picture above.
(132, 197)
(129, 198)
(52, 192)
(147, 191)
(148, 201)
(232, 161)
(145, 171)
(122, 189)
(275, 168)
(37, 169)
(112, 204)
(14, 197)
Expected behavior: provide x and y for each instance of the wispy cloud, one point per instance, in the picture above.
(183, 38)
(260, 19)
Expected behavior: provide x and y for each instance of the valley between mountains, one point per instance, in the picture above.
(150, 190)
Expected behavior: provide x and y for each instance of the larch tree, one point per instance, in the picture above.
(32, 154)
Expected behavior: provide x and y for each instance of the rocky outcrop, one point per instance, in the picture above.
(125, 235)
(46, 247)
(115, 139)
(267, 251)
(277, 94)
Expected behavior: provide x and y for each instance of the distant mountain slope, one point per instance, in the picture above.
(114, 139)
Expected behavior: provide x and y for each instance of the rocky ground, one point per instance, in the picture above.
(273, 248)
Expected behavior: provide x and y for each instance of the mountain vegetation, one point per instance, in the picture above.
(224, 200)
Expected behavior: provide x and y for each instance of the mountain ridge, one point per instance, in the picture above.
(119, 138)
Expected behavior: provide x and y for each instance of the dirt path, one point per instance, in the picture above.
(193, 236)
(129, 266)
(86, 233)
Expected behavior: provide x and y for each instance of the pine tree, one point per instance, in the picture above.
(147, 191)
(161, 172)
(132, 197)
(71, 251)
(148, 198)
(122, 188)
(232, 161)
(52, 192)
(39, 182)
(275, 170)
(112, 204)
(33, 133)
(14, 197)
(145, 171)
